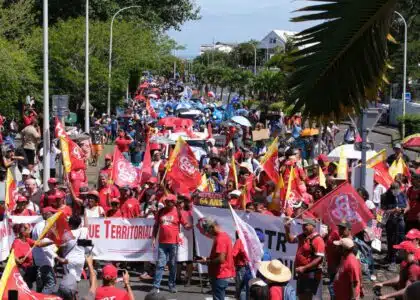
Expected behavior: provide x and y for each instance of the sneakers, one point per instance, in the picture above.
(172, 290)
(154, 291)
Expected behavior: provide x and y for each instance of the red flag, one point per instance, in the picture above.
(293, 193)
(77, 157)
(377, 163)
(11, 280)
(182, 172)
(150, 109)
(343, 204)
(57, 229)
(146, 168)
(246, 191)
(270, 163)
(123, 172)
(209, 130)
(11, 191)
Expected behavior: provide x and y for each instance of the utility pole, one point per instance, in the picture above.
(87, 115)
(364, 149)
(46, 108)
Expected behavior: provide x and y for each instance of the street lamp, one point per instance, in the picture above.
(405, 70)
(46, 108)
(255, 59)
(110, 56)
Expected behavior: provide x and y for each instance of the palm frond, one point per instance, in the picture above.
(340, 58)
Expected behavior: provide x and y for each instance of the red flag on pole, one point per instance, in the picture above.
(150, 109)
(269, 162)
(123, 172)
(377, 163)
(58, 230)
(182, 172)
(146, 167)
(343, 204)
(11, 280)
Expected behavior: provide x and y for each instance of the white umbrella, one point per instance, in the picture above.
(192, 112)
(241, 121)
(350, 153)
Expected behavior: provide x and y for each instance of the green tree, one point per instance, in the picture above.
(341, 58)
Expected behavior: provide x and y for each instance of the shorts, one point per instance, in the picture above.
(97, 149)
(30, 155)
(307, 285)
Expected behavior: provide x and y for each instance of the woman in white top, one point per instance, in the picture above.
(92, 209)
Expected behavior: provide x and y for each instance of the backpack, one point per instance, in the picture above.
(289, 292)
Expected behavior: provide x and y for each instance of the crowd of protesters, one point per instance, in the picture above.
(131, 128)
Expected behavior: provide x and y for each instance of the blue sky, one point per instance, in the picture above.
(236, 21)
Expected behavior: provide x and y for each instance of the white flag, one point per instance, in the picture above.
(249, 238)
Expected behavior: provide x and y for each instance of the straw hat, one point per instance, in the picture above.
(275, 271)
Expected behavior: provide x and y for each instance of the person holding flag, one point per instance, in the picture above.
(398, 153)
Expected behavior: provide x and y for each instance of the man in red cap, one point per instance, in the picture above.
(20, 209)
(48, 198)
(108, 289)
(168, 221)
(107, 169)
(107, 191)
(114, 211)
(59, 204)
(409, 271)
(414, 236)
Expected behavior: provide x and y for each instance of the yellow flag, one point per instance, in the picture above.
(175, 153)
(276, 196)
(322, 179)
(235, 174)
(66, 154)
(397, 167)
(342, 166)
(273, 147)
(204, 183)
(10, 185)
(11, 263)
(289, 183)
(377, 158)
(49, 224)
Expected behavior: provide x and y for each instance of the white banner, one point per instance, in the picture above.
(272, 227)
(6, 239)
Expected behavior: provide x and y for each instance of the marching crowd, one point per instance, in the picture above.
(284, 177)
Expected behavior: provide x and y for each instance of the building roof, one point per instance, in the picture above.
(284, 34)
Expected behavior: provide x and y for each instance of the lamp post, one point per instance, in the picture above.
(46, 108)
(110, 55)
(255, 59)
(87, 124)
(405, 70)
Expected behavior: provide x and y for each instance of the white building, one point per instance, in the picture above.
(275, 38)
(219, 46)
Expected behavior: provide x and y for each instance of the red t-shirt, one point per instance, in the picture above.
(107, 171)
(414, 202)
(44, 202)
(169, 222)
(77, 178)
(114, 213)
(408, 272)
(348, 273)
(25, 212)
(239, 255)
(123, 144)
(305, 254)
(110, 292)
(67, 211)
(332, 251)
(103, 195)
(21, 249)
(131, 208)
(222, 244)
(276, 292)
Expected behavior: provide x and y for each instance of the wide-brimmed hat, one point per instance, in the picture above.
(275, 271)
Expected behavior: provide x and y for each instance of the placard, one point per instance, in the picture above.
(258, 135)
(211, 199)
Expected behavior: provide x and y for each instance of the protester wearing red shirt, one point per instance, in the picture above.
(309, 256)
(20, 209)
(108, 290)
(413, 195)
(60, 206)
(409, 271)
(48, 199)
(77, 179)
(123, 142)
(114, 211)
(107, 192)
(167, 223)
(347, 282)
(131, 208)
(220, 263)
(276, 276)
(241, 265)
(107, 169)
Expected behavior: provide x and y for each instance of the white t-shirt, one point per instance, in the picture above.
(94, 212)
(42, 256)
(378, 191)
(75, 254)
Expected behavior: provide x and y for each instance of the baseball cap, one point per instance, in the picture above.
(83, 190)
(247, 166)
(49, 209)
(344, 224)
(397, 146)
(108, 157)
(169, 197)
(60, 195)
(115, 200)
(26, 172)
(308, 221)
(52, 180)
(93, 193)
(346, 243)
(236, 193)
(407, 246)
(109, 272)
(413, 234)
(322, 157)
(21, 199)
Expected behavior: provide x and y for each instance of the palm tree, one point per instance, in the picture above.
(340, 58)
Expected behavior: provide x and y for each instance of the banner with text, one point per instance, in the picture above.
(6, 239)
